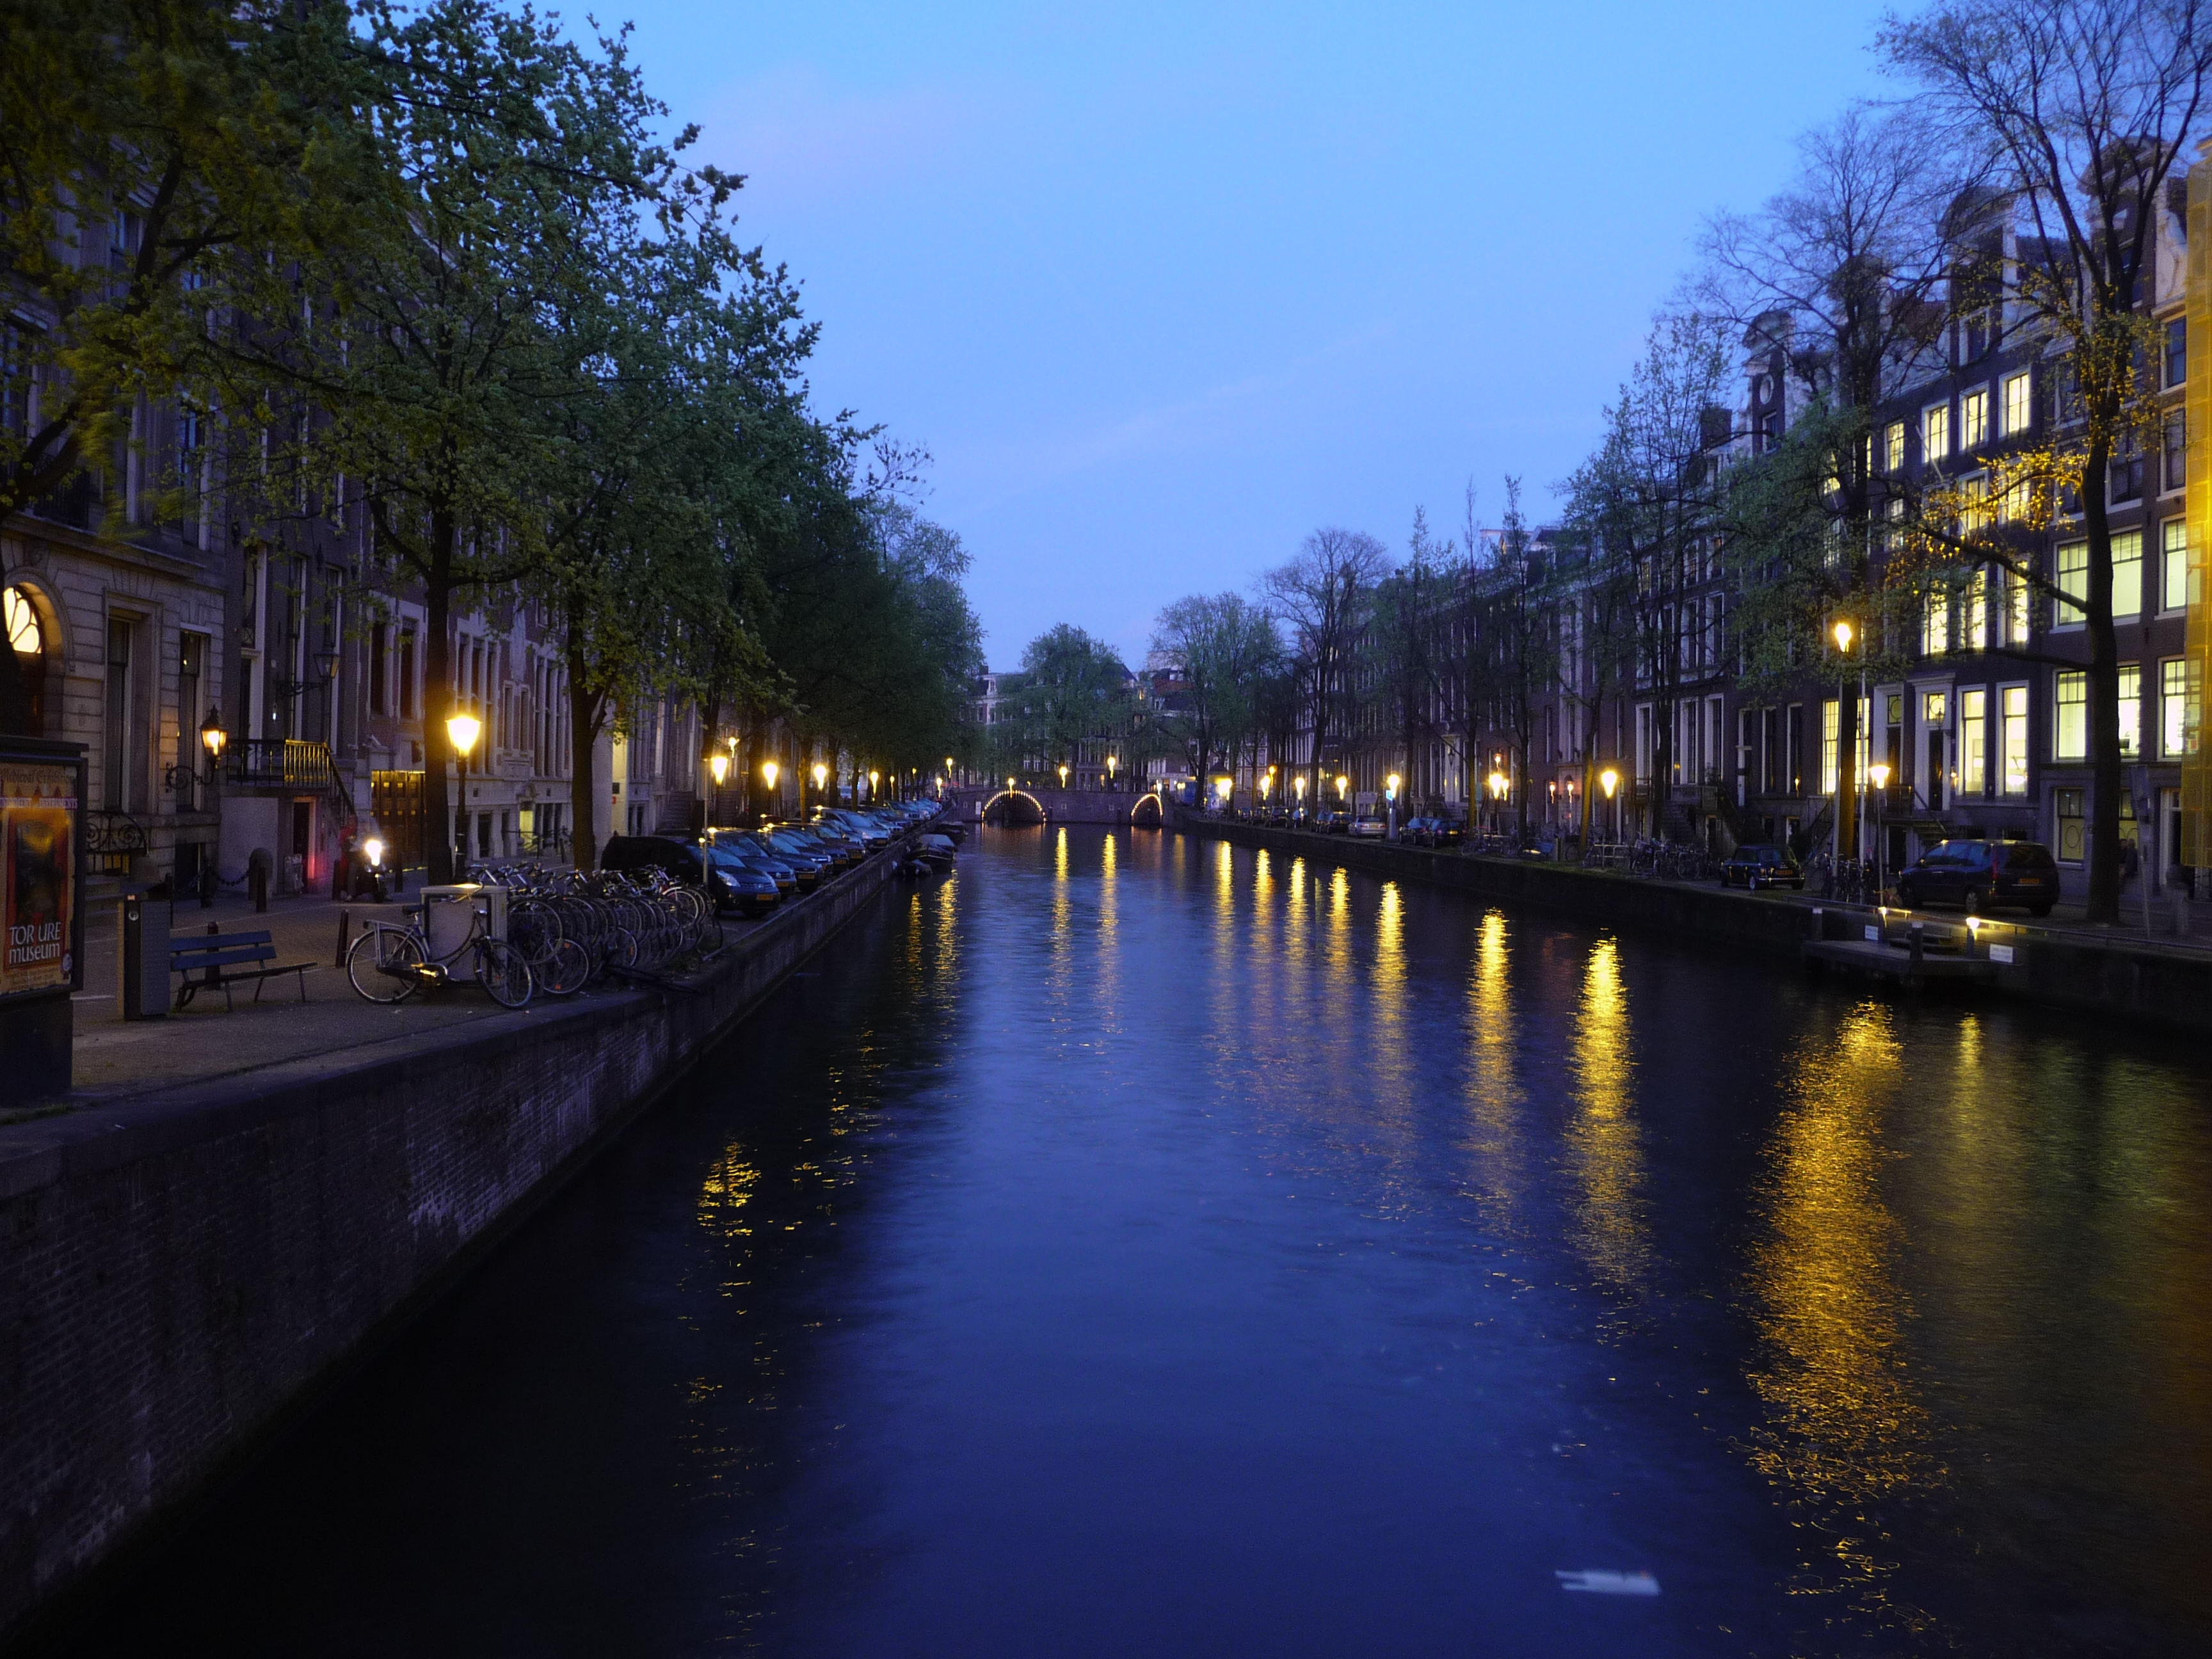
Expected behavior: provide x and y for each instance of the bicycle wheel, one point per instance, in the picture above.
(501, 971)
(564, 970)
(383, 964)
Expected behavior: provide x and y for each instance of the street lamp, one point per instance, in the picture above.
(1847, 753)
(212, 738)
(821, 777)
(1063, 777)
(1391, 795)
(1112, 760)
(1342, 784)
(1298, 788)
(768, 770)
(463, 729)
(874, 777)
(1609, 780)
(720, 766)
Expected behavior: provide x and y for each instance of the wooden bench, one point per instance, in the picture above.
(227, 959)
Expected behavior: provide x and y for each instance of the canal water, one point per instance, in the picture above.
(1128, 1245)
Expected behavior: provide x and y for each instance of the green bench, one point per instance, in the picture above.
(227, 959)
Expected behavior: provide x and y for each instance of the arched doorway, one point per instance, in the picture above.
(29, 643)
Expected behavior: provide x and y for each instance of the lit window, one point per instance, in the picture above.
(2018, 408)
(1893, 448)
(2014, 753)
(2017, 597)
(2070, 727)
(1973, 741)
(1974, 515)
(2174, 534)
(1934, 709)
(2127, 572)
(2072, 582)
(1831, 716)
(1938, 435)
(1936, 623)
(2173, 705)
(1974, 420)
(2130, 709)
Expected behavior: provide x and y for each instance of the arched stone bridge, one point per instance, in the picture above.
(1027, 804)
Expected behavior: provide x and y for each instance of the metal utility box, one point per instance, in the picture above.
(448, 912)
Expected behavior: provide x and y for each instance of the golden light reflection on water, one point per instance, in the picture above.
(723, 1196)
(1604, 1144)
(1494, 1095)
(1845, 1427)
(1390, 1071)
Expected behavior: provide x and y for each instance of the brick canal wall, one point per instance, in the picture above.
(2161, 984)
(178, 1275)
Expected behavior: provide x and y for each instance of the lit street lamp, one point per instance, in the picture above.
(768, 770)
(463, 729)
(1113, 760)
(1609, 780)
(1063, 777)
(1878, 776)
(1391, 795)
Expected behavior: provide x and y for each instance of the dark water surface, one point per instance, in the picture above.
(1128, 1246)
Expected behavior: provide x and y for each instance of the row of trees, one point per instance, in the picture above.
(2016, 193)
(438, 266)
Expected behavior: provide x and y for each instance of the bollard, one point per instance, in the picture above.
(345, 926)
(130, 957)
(1914, 936)
(258, 883)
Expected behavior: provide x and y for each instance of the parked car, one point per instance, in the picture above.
(729, 886)
(1983, 874)
(1369, 829)
(1754, 868)
(1332, 822)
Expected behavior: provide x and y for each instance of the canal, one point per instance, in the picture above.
(1128, 1245)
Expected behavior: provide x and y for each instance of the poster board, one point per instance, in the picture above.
(40, 930)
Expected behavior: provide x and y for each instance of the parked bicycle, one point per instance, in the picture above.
(390, 962)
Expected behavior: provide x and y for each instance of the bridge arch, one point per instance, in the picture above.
(1149, 812)
(1013, 807)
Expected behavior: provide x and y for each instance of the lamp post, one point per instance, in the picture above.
(1390, 796)
(1609, 780)
(1847, 813)
(1298, 788)
(874, 776)
(718, 768)
(1113, 761)
(768, 770)
(1063, 777)
(1878, 776)
(462, 729)
(821, 777)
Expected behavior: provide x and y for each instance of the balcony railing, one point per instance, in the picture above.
(282, 763)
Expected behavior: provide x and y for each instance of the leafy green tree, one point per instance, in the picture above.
(158, 159)
(1223, 646)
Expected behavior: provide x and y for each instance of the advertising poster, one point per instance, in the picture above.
(38, 874)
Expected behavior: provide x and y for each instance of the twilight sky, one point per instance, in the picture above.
(1162, 288)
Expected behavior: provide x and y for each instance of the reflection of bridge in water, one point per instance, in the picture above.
(1019, 806)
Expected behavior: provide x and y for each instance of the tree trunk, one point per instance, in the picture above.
(1847, 753)
(438, 701)
(2105, 782)
(587, 714)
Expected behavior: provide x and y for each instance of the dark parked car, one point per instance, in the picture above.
(1982, 874)
(730, 886)
(1754, 868)
(1332, 822)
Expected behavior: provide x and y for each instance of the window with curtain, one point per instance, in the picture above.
(2173, 556)
(1977, 611)
(1974, 419)
(1831, 728)
(2069, 725)
(2019, 404)
(2014, 752)
(2127, 572)
(1936, 623)
(2130, 676)
(1973, 741)
(2072, 582)
(2173, 704)
(1893, 451)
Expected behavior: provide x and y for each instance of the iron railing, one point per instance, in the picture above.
(283, 762)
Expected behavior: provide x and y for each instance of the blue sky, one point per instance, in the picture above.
(1163, 288)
